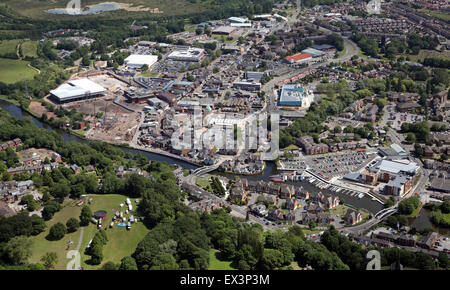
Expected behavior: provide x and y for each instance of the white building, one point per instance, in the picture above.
(187, 54)
(76, 90)
(139, 60)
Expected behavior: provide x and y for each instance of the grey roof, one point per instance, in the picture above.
(396, 166)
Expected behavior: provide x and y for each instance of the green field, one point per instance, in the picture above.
(9, 46)
(41, 245)
(216, 264)
(121, 242)
(36, 9)
(424, 53)
(29, 49)
(15, 70)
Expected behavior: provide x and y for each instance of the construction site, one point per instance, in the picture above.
(109, 118)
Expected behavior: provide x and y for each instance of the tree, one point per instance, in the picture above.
(443, 260)
(445, 207)
(109, 266)
(60, 190)
(30, 202)
(72, 225)
(18, 250)
(271, 259)
(49, 259)
(57, 232)
(128, 263)
(135, 185)
(85, 216)
(96, 251)
(164, 262)
(407, 206)
(410, 137)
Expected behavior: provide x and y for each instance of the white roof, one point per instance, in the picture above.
(398, 149)
(77, 88)
(396, 166)
(139, 60)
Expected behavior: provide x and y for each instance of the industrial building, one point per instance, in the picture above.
(187, 54)
(295, 96)
(137, 96)
(224, 30)
(237, 20)
(298, 58)
(247, 85)
(139, 60)
(76, 90)
(313, 52)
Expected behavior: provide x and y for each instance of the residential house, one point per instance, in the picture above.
(352, 217)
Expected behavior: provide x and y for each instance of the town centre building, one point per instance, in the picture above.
(295, 96)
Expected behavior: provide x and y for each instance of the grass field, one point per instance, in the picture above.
(216, 264)
(15, 70)
(29, 48)
(424, 53)
(41, 245)
(150, 74)
(121, 242)
(9, 46)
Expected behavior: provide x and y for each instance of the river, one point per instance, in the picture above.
(270, 169)
(19, 113)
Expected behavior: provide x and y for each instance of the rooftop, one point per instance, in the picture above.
(77, 88)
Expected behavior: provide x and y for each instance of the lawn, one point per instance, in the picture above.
(203, 182)
(9, 46)
(121, 242)
(150, 74)
(29, 49)
(216, 264)
(15, 70)
(41, 245)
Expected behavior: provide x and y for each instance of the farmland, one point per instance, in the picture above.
(15, 70)
(29, 49)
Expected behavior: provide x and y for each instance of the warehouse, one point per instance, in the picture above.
(187, 54)
(224, 30)
(298, 58)
(313, 52)
(237, 20)
(139, 60)
(76, 90)
(296, 96)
